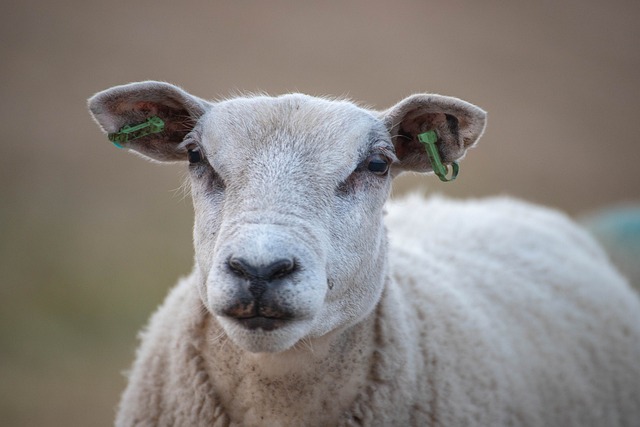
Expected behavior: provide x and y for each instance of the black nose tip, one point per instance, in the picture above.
(275, 270)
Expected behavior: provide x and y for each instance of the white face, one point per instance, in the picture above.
(288, 195)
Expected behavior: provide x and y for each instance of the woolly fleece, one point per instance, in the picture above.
(494, 313)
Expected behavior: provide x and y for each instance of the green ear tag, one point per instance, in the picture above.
(128, 133)
(429, 140)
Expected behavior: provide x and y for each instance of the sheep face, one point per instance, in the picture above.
(288, 196)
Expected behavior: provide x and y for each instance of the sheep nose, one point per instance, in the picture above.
(277, 269)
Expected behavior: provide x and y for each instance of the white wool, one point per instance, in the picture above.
(307, 305)
(481, 325)
(520, 310)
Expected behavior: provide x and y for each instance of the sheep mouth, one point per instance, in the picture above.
(255, 314)
(262, 322)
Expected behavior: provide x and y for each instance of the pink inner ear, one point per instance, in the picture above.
(413, 124)
(177, 121)
(420, 121)
(146, 108)
(404, 146)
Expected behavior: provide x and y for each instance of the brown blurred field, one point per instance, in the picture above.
(91, 237)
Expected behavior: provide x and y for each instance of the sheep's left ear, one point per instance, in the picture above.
(458, 125)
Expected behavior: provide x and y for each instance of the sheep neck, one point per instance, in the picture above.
(316, 380)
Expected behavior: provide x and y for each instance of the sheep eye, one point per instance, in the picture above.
(378, 164)
(194, 156)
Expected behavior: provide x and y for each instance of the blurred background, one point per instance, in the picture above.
(91, 237)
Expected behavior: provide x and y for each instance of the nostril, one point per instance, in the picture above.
(275, 270)
(238, 266)
(280, 268)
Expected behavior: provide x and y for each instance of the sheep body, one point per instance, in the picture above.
(300, 310)
(535, 326)
(498, 313)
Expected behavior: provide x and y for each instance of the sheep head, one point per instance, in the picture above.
(288, 196)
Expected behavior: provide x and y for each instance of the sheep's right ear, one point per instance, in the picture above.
(135, 103)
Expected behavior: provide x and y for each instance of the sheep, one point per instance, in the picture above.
(313, 301)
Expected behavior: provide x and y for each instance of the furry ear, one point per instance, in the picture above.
(134, 103)
(457, 123)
